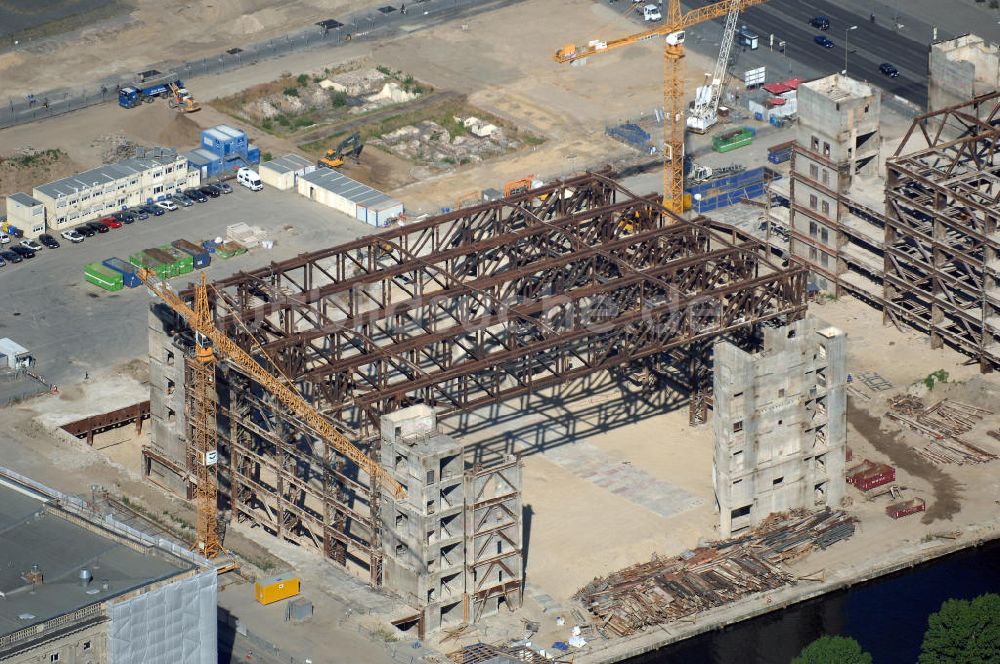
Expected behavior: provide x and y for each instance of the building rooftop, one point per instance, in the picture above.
(287, 163)
(352, 190)
(839, 88)
(24, 199)
(36, 533)
(201, 156)
(105, 174)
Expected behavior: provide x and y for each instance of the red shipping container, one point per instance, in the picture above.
(906, 508)
(870, 475)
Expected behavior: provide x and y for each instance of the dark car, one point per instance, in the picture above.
(823, 41)
(224, 187)
(85, 230)
(140, 213)
(98, 227)
(888, 70)
(196, 195)
(820, 22)
(153, 210)
(23, 252)
(49, 241)
(209, 190)
(10, 256)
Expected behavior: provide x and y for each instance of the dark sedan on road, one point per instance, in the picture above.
(85, 230)
(196, 195)
(10, 256)
(23, 252)
(210, 190)
(98, 227)
(820, 22)
(888, 70)
(823, 41)
(49, 241)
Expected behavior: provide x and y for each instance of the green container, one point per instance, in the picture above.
(164, 259)
(103, 277)
(162, 270)
(732, 140)
(183, 261)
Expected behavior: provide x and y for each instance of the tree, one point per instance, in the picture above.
(963, 632)
(833, 650)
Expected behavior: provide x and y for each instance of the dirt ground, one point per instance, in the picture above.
(492, 62)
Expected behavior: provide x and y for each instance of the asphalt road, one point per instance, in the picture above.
(901, 35)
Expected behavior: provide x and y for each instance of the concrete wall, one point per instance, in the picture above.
(960, 69)
(780, 424)
(166, 403)
(87, 645)
(424, 534)
(839, 120)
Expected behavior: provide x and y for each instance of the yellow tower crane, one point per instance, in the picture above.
(211, 344)
(672, 30)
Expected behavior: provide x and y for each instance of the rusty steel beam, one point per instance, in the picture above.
(942, 247)
(579, 278)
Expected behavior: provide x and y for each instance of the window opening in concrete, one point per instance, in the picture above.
(430, 477)
(781, 392)
(737, 426)
(777, 480)
(742, 511)
(451, 613)
(401, 520)
(169, 358)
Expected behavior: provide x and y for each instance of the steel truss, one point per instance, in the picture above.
(470, 308)
(942, 241)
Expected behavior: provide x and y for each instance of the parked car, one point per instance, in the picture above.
(128, 218)
(153, 210)
(210, 191)
(181, 199)
(73, 235)
(820, 22)
(2, 262)
(196, 195)
(888, 70)
(119, 215)
(823, 41)
(23, 252)
(4, 238)
(110, 222)
(85, 230)
(98, 227)
(31, 245)
(165, 205)
(140, 213)
(224, 186)
(49, 241)
(10, 256)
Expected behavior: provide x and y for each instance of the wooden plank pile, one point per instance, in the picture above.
(943, 423)
(664, 590)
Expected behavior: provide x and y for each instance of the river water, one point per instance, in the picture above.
(887, 616)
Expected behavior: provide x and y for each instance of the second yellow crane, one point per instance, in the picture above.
(672, 30)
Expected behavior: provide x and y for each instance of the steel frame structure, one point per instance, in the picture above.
(465, 309)
(942, 260)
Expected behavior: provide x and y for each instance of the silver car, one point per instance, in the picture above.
(182, 200)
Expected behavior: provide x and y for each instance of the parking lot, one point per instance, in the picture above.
(74, 328)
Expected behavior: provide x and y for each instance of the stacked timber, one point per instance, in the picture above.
(943, 423)
(668, 589)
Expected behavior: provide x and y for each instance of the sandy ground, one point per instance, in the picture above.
(153, 30)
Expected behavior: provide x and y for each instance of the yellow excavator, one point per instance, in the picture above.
(182, 100)
(349, 147)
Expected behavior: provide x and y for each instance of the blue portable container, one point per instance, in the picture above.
(130, 278)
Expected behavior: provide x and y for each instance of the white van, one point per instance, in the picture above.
(651, 13)
(249, 179)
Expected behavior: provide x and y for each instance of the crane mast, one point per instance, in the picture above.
(672, 30)
(706, 102)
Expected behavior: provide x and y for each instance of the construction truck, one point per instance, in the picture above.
(181, 99)
(349, 147)
(152, 84)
